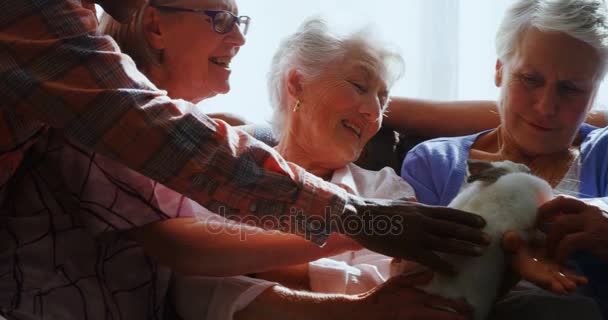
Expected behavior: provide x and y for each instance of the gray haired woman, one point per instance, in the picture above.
(552, 57)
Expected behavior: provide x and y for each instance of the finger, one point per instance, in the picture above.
(563, 226)
(557, 287)
(570, 244)
(433, 261)
(552, 208)
(456, 231)
(511, 241)
(567, 283)
(453, 246)
(546, 281)
(579, 280)
(457, 216)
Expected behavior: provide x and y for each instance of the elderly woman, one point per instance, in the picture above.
(552, 56)
(173, 63)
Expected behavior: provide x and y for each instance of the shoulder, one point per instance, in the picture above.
(594, 167)
(594, 139)
(436, 168)
(440, 152)
(594, 147)
(594, 151)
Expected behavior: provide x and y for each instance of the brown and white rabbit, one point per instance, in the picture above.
(507, 196)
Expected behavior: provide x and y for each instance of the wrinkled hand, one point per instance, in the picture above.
(416, 231)
(531, 262)
(399, 299)
(122, 11)
(576, 226)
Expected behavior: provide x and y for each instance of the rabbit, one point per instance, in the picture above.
(507, 196)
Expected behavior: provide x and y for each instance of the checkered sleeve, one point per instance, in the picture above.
(56, 71)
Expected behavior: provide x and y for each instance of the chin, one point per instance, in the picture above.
(223, 89)
(209, 94)
(350, 156)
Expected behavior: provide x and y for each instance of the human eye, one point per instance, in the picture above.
(358, 86)
(569, 88)
(529, 79)
(222, 20)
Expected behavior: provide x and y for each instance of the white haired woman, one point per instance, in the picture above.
(552, 56)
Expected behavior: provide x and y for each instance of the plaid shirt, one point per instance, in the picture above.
(65, 89)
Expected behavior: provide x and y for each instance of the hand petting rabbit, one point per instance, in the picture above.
(507, 196)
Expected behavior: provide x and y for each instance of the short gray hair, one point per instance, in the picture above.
(310, 50)
(585, 20)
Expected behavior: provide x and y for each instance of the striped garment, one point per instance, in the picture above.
(67, 93)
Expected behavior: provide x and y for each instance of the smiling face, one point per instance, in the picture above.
(548, 87)
(341, 110)
(196, 62)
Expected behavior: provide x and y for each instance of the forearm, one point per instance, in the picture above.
(192, 247)
(79, 82)
(434, 118)
(294, 277)
(452, 118)
(282, 303)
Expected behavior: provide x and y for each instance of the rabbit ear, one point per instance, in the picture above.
(476, 166)
(479, 170)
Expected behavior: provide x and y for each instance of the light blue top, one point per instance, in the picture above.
(436, 170)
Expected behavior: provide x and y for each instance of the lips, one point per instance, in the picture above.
(541, 127)
(355, 128)
(223, 62)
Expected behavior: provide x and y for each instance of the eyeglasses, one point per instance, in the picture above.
(223, 21)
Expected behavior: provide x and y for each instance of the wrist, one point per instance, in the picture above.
(339, 243)
(353, 208)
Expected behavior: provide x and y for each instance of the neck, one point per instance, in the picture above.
(508, 149)
(164, 81)
(292, 151)
(498, 146)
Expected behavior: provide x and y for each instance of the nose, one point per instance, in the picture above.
(371, 108)
(236, 36)
(547, 101)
